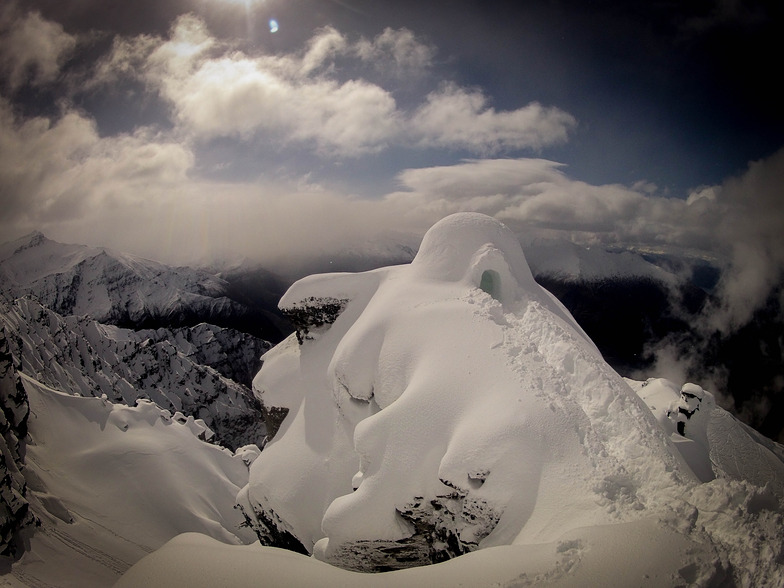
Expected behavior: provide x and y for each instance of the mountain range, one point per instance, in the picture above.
(136, 407)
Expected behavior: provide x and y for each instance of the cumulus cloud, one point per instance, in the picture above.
(138, 193)
(60, 171)
(54, 170)
(306, 99)
(32, 49)
(457, 118)
(396, 51)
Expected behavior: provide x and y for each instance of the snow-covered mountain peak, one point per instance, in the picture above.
(110, 287)
(34, 239)
(32, 257)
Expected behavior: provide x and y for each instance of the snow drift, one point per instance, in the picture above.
(429, 410)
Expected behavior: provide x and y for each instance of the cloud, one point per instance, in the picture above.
(310, 99)
(537, 195)
(323, 47)
(752, 226)
(32, 49)
(138, 193)
(455, 118)
(57, 170)
(397, 51)
(60, 171)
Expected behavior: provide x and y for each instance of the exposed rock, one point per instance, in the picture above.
(313, 314)
(15, 512)
(271, 531)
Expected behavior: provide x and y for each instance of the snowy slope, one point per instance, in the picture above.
(453, 405)
(110, 483)
(569, 261)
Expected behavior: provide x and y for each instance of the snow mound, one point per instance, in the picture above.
(446, 406)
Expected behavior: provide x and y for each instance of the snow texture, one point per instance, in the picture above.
(110, 483)
(449, 407)
(453, 405)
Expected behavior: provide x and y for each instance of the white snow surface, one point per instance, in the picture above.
(454, 381)
(458, 389)
(171, 367)
(111, 483)
(567, 260)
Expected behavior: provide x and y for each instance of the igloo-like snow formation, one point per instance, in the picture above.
(452, 404)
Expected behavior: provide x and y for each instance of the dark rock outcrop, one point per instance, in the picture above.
(313, 314)
(15, 514)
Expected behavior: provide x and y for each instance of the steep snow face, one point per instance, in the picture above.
(444, 406)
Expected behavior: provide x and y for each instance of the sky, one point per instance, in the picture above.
(271, 130)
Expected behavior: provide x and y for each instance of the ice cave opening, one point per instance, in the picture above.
(490, 282)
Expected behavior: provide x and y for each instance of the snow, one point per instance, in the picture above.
(169, 366)
(630, 554)
(712, 441)
(446, 407)
(432, 417)
(567, 260)
(112, 483)
(104, 285)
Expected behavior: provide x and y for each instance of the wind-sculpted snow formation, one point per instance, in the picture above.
(452, 405)
(106, 484)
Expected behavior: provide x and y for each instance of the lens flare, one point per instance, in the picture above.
(273, 25)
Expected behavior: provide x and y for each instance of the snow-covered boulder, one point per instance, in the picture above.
(713, 442)
(451, 404)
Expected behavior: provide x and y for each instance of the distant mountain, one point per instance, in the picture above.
(69, 367)
(98, 323)
(127, 291)
(567, 261)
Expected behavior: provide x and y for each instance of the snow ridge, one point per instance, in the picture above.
(78, 355)
(110, 287)
(453, 405)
